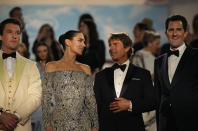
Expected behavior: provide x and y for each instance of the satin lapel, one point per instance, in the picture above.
(20, 64)
(110, 77)
(165, 71)
(127, 79)
(181, 66)
(2, 72)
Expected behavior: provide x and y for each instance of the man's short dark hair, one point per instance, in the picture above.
(11, 13)
(124, 38)
(177, 18)
(8, 21)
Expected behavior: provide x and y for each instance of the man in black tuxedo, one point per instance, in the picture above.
(176, 78)
(124, 90)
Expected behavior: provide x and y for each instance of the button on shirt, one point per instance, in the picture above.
(119, 77)
(10, 64)
(173, 62)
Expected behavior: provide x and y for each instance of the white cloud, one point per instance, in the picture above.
(51, 13)
(36, 23)
(137, 10)
(46, 16)
(72, 2)
(83, 8)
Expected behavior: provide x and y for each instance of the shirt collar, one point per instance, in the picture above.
(127, 64)
(181, 49)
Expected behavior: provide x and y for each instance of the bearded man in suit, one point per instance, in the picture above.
(176, 78)
(124, 90)
(20, 84)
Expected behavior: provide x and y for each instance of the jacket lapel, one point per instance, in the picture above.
(110, 77)
(127, 79)
(2, 72)
(20, 64)
(180, 66)
(165, 71)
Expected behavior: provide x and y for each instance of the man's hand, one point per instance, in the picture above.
(94, 129)
(121, 104)
(48, 128)
(9, 121)
(2, 127)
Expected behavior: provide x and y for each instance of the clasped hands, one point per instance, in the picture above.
(8, 121)
(120, 104)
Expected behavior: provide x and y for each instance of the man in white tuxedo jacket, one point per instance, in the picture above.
(20, 84)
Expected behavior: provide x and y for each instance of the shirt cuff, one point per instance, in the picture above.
(18, 116)
(130, 107)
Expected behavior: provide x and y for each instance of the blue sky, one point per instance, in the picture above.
(109, 19)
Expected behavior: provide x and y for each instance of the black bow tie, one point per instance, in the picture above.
(174, 52)
(13, 55)
(122, 67)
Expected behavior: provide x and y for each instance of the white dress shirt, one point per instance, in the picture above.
(119, 77)
(173, 62)
(10, 64)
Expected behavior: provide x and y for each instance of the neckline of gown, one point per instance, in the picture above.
(80, 71)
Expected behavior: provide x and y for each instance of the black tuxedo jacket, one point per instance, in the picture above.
(137, 87)
(178, 100)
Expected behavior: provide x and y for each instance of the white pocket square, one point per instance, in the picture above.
(135, 79)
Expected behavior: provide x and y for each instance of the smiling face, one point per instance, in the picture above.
(10, 38)
(176, 34)
(117, 51)
(77, 44)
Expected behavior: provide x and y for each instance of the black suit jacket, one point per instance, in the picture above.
(137, 87)
(178, 100)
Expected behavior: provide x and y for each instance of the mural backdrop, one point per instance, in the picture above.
(108, 18)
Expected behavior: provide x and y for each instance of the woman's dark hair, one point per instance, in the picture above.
(195, 24)
(50, 30)
(54, 47)
(84, 17)
(49, 55)
(93, 33)
(68, 35)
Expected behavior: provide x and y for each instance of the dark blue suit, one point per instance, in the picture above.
(178, 100)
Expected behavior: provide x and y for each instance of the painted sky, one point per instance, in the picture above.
(109, 19)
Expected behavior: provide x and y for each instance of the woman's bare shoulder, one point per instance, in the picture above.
(85, 68)
(51, 66)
